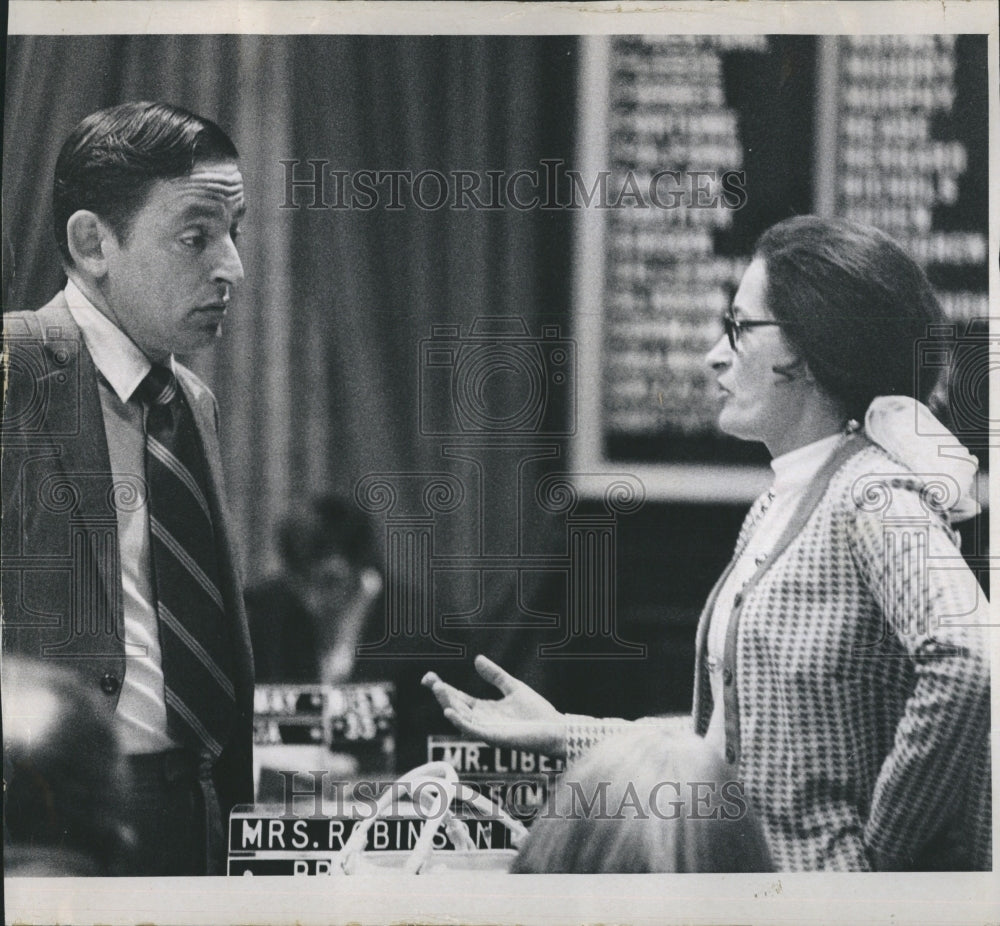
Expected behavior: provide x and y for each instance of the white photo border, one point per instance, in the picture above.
(459, 897)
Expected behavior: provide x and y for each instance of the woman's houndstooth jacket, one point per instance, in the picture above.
(856, 679)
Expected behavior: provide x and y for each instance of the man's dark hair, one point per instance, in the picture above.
(325, 526)
(854, 304)
(113, 156)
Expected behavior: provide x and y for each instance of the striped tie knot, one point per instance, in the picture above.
(160, 385)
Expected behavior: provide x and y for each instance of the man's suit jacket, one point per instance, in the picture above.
(61, 582)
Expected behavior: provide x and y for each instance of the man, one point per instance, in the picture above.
(118, 559)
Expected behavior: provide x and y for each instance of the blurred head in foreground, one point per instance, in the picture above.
(64, 776)
(645, 802)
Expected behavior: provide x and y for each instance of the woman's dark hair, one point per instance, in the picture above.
(854, 304)
(114, 155)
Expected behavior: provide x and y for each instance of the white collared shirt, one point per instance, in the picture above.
(141, 714)
(793, 471)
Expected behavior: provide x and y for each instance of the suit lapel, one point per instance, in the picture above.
(701, 702)
(204, 417)
(815, 491)
(74, 422)
(67, 356)
(205, 420)
(804, 509)
(706, 611)
(203, 410)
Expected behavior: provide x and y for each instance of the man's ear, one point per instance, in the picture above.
(88, 237)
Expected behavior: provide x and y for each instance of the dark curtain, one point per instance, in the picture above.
(318, 370)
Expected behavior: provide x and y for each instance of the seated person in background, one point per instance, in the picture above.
(306, 623)
(675, 810)
(64, 776)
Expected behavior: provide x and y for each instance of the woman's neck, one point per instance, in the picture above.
(819, 418)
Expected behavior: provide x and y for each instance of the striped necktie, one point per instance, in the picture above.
(195, 649)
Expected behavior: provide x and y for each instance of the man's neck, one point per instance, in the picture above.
(93, 294)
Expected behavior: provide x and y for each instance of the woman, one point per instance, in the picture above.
(841, 667)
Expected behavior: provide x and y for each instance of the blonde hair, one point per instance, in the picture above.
(648, 801)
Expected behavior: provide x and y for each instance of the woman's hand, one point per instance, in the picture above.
(522, 718)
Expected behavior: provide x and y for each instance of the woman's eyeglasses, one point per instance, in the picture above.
(733, 326)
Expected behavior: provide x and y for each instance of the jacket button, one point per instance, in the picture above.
(109, 683)
(727, 675)
(730, 755)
